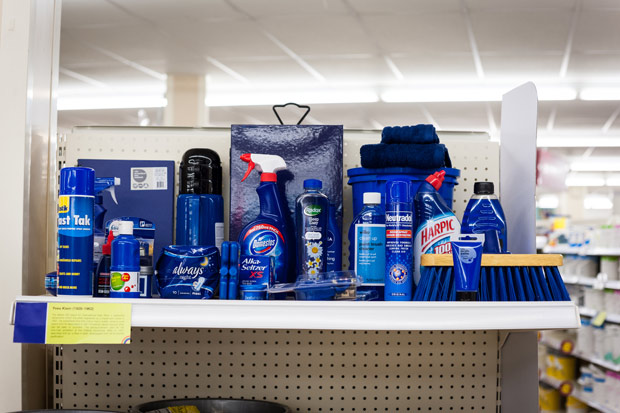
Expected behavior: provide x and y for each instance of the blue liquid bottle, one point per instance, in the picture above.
(484, 215)
(125, 266)
(367, 244)
(311, 220)
(334, 242)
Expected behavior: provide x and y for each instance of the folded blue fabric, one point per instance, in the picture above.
(419, 156)
(409, 134)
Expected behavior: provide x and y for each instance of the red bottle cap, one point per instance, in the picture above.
(106, 249)
(436, 179)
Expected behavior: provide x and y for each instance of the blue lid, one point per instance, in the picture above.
(397, 191)
(77, 181)
(313, 184)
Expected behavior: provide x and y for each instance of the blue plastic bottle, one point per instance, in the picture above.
(334, 242)
(484, 215)
(398, 241)
(436, 222)
(75, 231)
(268, 234)
(125, 266)
(367, 244)
(311, 222)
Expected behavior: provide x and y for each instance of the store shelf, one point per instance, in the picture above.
(581, 250)
(341, 315)
(600, 362)
(590, 312)
(590, 282)
(587, 398)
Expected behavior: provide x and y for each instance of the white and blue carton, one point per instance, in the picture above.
(256, 274)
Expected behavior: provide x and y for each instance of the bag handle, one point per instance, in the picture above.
(295, 104)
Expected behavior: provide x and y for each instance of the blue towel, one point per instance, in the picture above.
(419, 156)
(409, 134)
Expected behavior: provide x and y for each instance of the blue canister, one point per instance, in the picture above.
(75, 231)
(188, 271)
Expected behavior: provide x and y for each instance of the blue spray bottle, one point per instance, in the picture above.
(125, 266)
(269, 234)
(484, 215)
(398, 241)
(101, 185)
(334, 242)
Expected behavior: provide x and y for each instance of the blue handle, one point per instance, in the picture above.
(224, 270)
(233, 271)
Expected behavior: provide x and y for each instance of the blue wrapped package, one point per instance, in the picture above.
(188, 272)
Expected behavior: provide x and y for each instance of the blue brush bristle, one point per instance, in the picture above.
(515, 274)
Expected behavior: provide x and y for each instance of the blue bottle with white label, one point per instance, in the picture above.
(484, 215)
(398, 241)
(125, 266)
(367, 244)
(268, 234)
(75, 231)
(311, 221)
(334, 242)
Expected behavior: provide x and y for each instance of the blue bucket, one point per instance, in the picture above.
(373, 180)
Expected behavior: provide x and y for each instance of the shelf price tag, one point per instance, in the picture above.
(72, 323)
(599, 319)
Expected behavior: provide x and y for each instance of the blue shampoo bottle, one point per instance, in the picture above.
(367, 244)
(398, 241)
(311, 222)
(484, 215)
(125, 267)
(334, 242)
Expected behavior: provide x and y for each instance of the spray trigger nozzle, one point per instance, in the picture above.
(267, 165)
(247, 157)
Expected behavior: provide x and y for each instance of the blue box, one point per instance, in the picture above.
(256, 275)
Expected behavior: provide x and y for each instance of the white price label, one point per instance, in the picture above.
(149, 179)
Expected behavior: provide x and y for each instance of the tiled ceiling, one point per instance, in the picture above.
(119, 44)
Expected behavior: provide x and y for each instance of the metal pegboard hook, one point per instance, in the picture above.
(295, 104)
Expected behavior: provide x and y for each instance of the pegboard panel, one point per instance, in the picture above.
(307, 370)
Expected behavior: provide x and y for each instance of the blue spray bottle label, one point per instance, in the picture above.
(370, 253)
(266, 240)
(399, 255)
(75, 244)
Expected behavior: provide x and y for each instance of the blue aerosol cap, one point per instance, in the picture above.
(398, 191)
(77, 181)
(313, 184)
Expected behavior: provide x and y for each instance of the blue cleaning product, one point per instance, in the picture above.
(269, 234)
(256, 275)
(51, 283)
(484, 215)
(311, 222)
(467, 257)
(225, 250)
(188, 272)
(367, 244)
(101, 185)
(398, 241)
(101, 282)
(125, 265)
(75, 231)
(436, 222)
(334, 242)
(233, 271)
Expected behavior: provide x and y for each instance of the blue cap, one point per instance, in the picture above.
(398, 191)
(313, 184)
(77, 181)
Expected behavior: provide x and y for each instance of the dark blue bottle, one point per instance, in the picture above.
(367, 244)
(398, 241)
(311, 221)
(125, 265)
(484, 215)
(334, 242)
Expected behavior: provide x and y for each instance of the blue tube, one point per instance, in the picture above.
(224, 270)
(233, 271)
(467, 256)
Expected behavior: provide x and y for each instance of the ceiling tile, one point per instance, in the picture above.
(290, 7)
(521, 4)
(597, 30)
(369, 70)
(284, 72)
(593, 66)
(471, 116)
(521, 30)
(582, 115)
(521, 65)
(100, 13)
(161, 10)
(404, 6)
(433, 67)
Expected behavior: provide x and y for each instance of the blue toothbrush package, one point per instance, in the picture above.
(188, 272)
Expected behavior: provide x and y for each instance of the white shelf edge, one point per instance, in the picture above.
(590, 282)
(341, 315)
(599, 362)
(582, 251)
(590, 312)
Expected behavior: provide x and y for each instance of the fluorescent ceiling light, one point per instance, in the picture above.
(548, 201)
(469, 94)
(259, 98)
(612, 180)
(600, 93)
(578, 141)
(596, 165)
(597, 201)
(581, 179)
(111, 102)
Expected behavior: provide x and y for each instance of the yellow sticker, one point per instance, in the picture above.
(567, 346)
(599, 319)
(88, 323)
(566, 388)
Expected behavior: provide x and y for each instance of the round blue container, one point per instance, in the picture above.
(373, 180)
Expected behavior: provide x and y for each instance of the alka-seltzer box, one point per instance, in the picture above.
(256, 275)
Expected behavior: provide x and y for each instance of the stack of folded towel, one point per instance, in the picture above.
(407, 146)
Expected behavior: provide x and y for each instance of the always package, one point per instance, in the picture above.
(188, 272)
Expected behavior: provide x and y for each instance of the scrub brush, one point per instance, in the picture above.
(503, 277)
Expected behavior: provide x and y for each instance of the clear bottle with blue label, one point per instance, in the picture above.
(334, 242)
(484, 215)
(367, 244)
(311, 222)
(398, 241)
(125, 266)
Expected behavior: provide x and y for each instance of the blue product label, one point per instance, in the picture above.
(370, 253)
(75, 245)
(331, 252)
(266, 240)
(399, 255)
(188, 272)
(256, 273)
